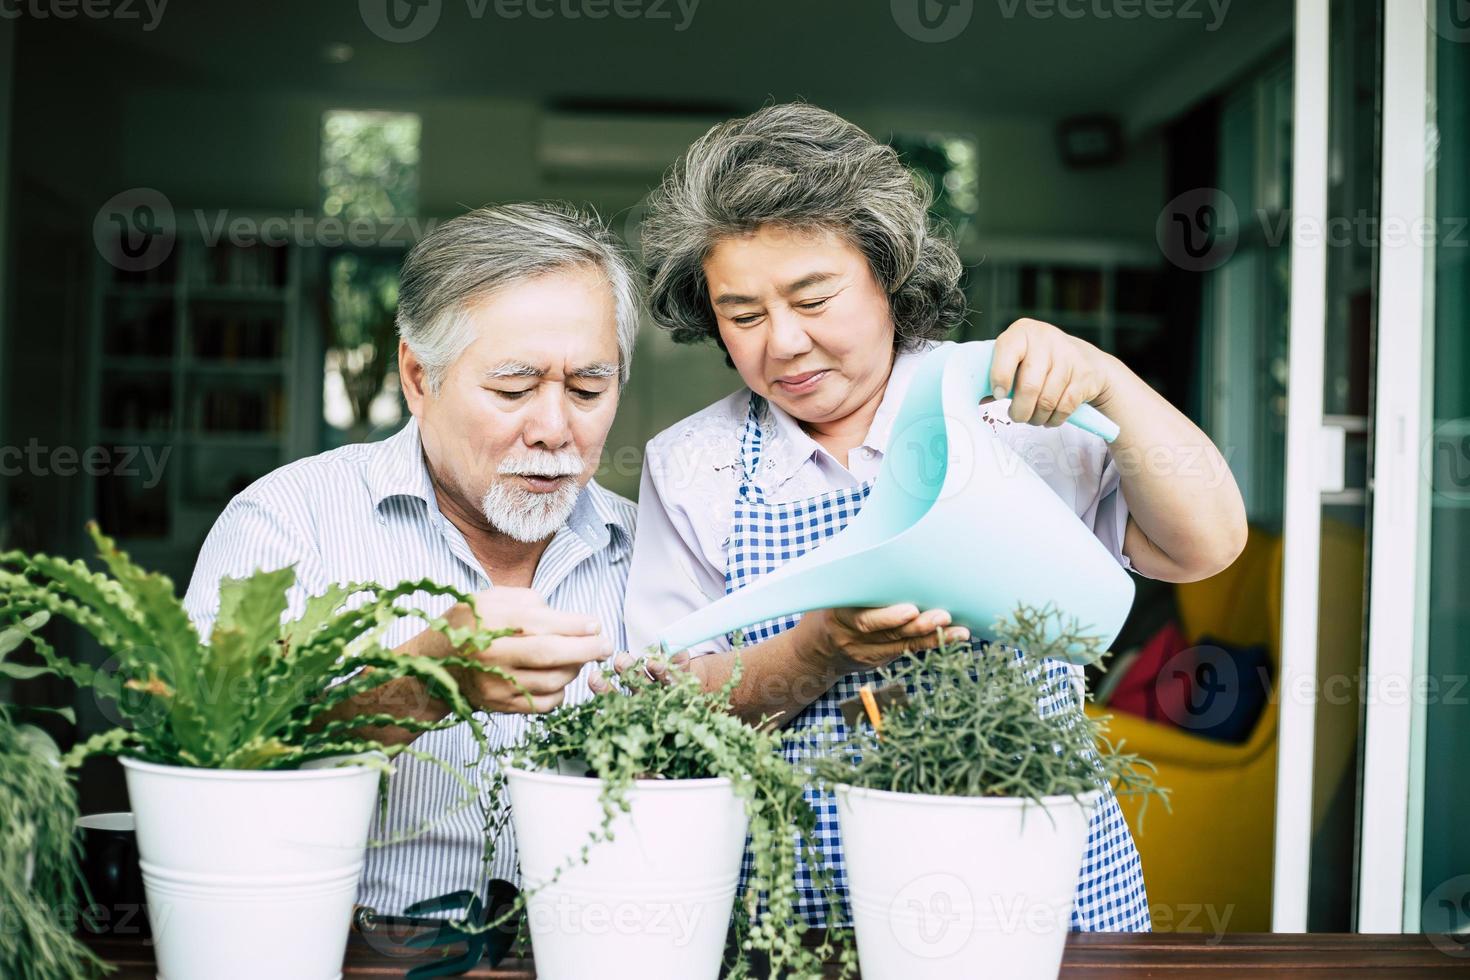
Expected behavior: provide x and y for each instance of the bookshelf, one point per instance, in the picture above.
(196, 378)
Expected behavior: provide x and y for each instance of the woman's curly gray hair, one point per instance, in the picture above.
(801, 167)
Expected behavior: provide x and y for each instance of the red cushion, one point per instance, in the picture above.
(1140, 693)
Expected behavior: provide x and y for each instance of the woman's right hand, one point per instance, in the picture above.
(850, 638)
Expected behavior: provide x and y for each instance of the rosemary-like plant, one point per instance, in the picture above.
(38, 864)
(993, 721)
(676, 730)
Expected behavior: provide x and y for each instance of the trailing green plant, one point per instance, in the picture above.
(993, 720)
(674, 729)
(260, 694)
(38, 864)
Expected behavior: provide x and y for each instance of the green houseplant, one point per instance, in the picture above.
(38, 865)
(677, 782)
(987, 745)
(252, 798)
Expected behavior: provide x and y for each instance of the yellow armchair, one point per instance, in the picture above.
(1207, 863)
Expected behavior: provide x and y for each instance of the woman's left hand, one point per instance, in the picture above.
(1048, 372)
(657, 668)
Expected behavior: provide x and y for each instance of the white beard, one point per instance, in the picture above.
(528, 516)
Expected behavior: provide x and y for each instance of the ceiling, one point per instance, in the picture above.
(1050, 57)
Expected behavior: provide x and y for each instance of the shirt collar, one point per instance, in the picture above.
(792, 446)
(397, 469)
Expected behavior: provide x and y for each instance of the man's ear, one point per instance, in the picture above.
(411, 379)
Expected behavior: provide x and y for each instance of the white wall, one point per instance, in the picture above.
(259, 151)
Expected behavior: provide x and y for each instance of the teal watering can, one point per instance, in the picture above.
(956, 521)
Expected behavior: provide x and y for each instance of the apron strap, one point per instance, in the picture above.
(750, 443)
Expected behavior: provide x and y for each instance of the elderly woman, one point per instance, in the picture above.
(801, 246)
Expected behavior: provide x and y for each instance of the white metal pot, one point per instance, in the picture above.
(654, 902)
(945, 886)
(249, 873)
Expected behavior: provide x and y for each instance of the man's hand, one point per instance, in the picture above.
(545, 656)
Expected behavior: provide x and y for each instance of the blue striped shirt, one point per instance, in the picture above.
(367, 512)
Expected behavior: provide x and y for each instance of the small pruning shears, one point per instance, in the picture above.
(491, 945)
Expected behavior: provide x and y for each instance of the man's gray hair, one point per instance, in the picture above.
(799, 167)
(490, 248)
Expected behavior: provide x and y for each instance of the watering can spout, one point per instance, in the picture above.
(955, 521)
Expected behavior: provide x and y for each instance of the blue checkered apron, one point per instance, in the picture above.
(763, 537)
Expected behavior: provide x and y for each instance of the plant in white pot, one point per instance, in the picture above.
(965, 803)
(632, 811)
(38, 861)
(252, 798)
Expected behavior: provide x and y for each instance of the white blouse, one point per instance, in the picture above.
(691, 474)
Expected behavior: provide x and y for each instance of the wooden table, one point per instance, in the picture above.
(1114, 956)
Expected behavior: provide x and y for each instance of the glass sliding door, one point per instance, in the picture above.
(1438, 893)
(1414, 851)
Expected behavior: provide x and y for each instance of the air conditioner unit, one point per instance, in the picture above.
(614, 145)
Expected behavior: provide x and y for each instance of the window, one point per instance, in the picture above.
(369, 165)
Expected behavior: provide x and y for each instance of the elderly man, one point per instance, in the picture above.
(516, 328)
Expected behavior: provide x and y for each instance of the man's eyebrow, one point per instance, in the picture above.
(514, 369)
(520, 369)
(600, 369)
(811, 279)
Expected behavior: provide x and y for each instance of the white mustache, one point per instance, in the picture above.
(546, 467)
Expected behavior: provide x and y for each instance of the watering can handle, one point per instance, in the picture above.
(1086, 418)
